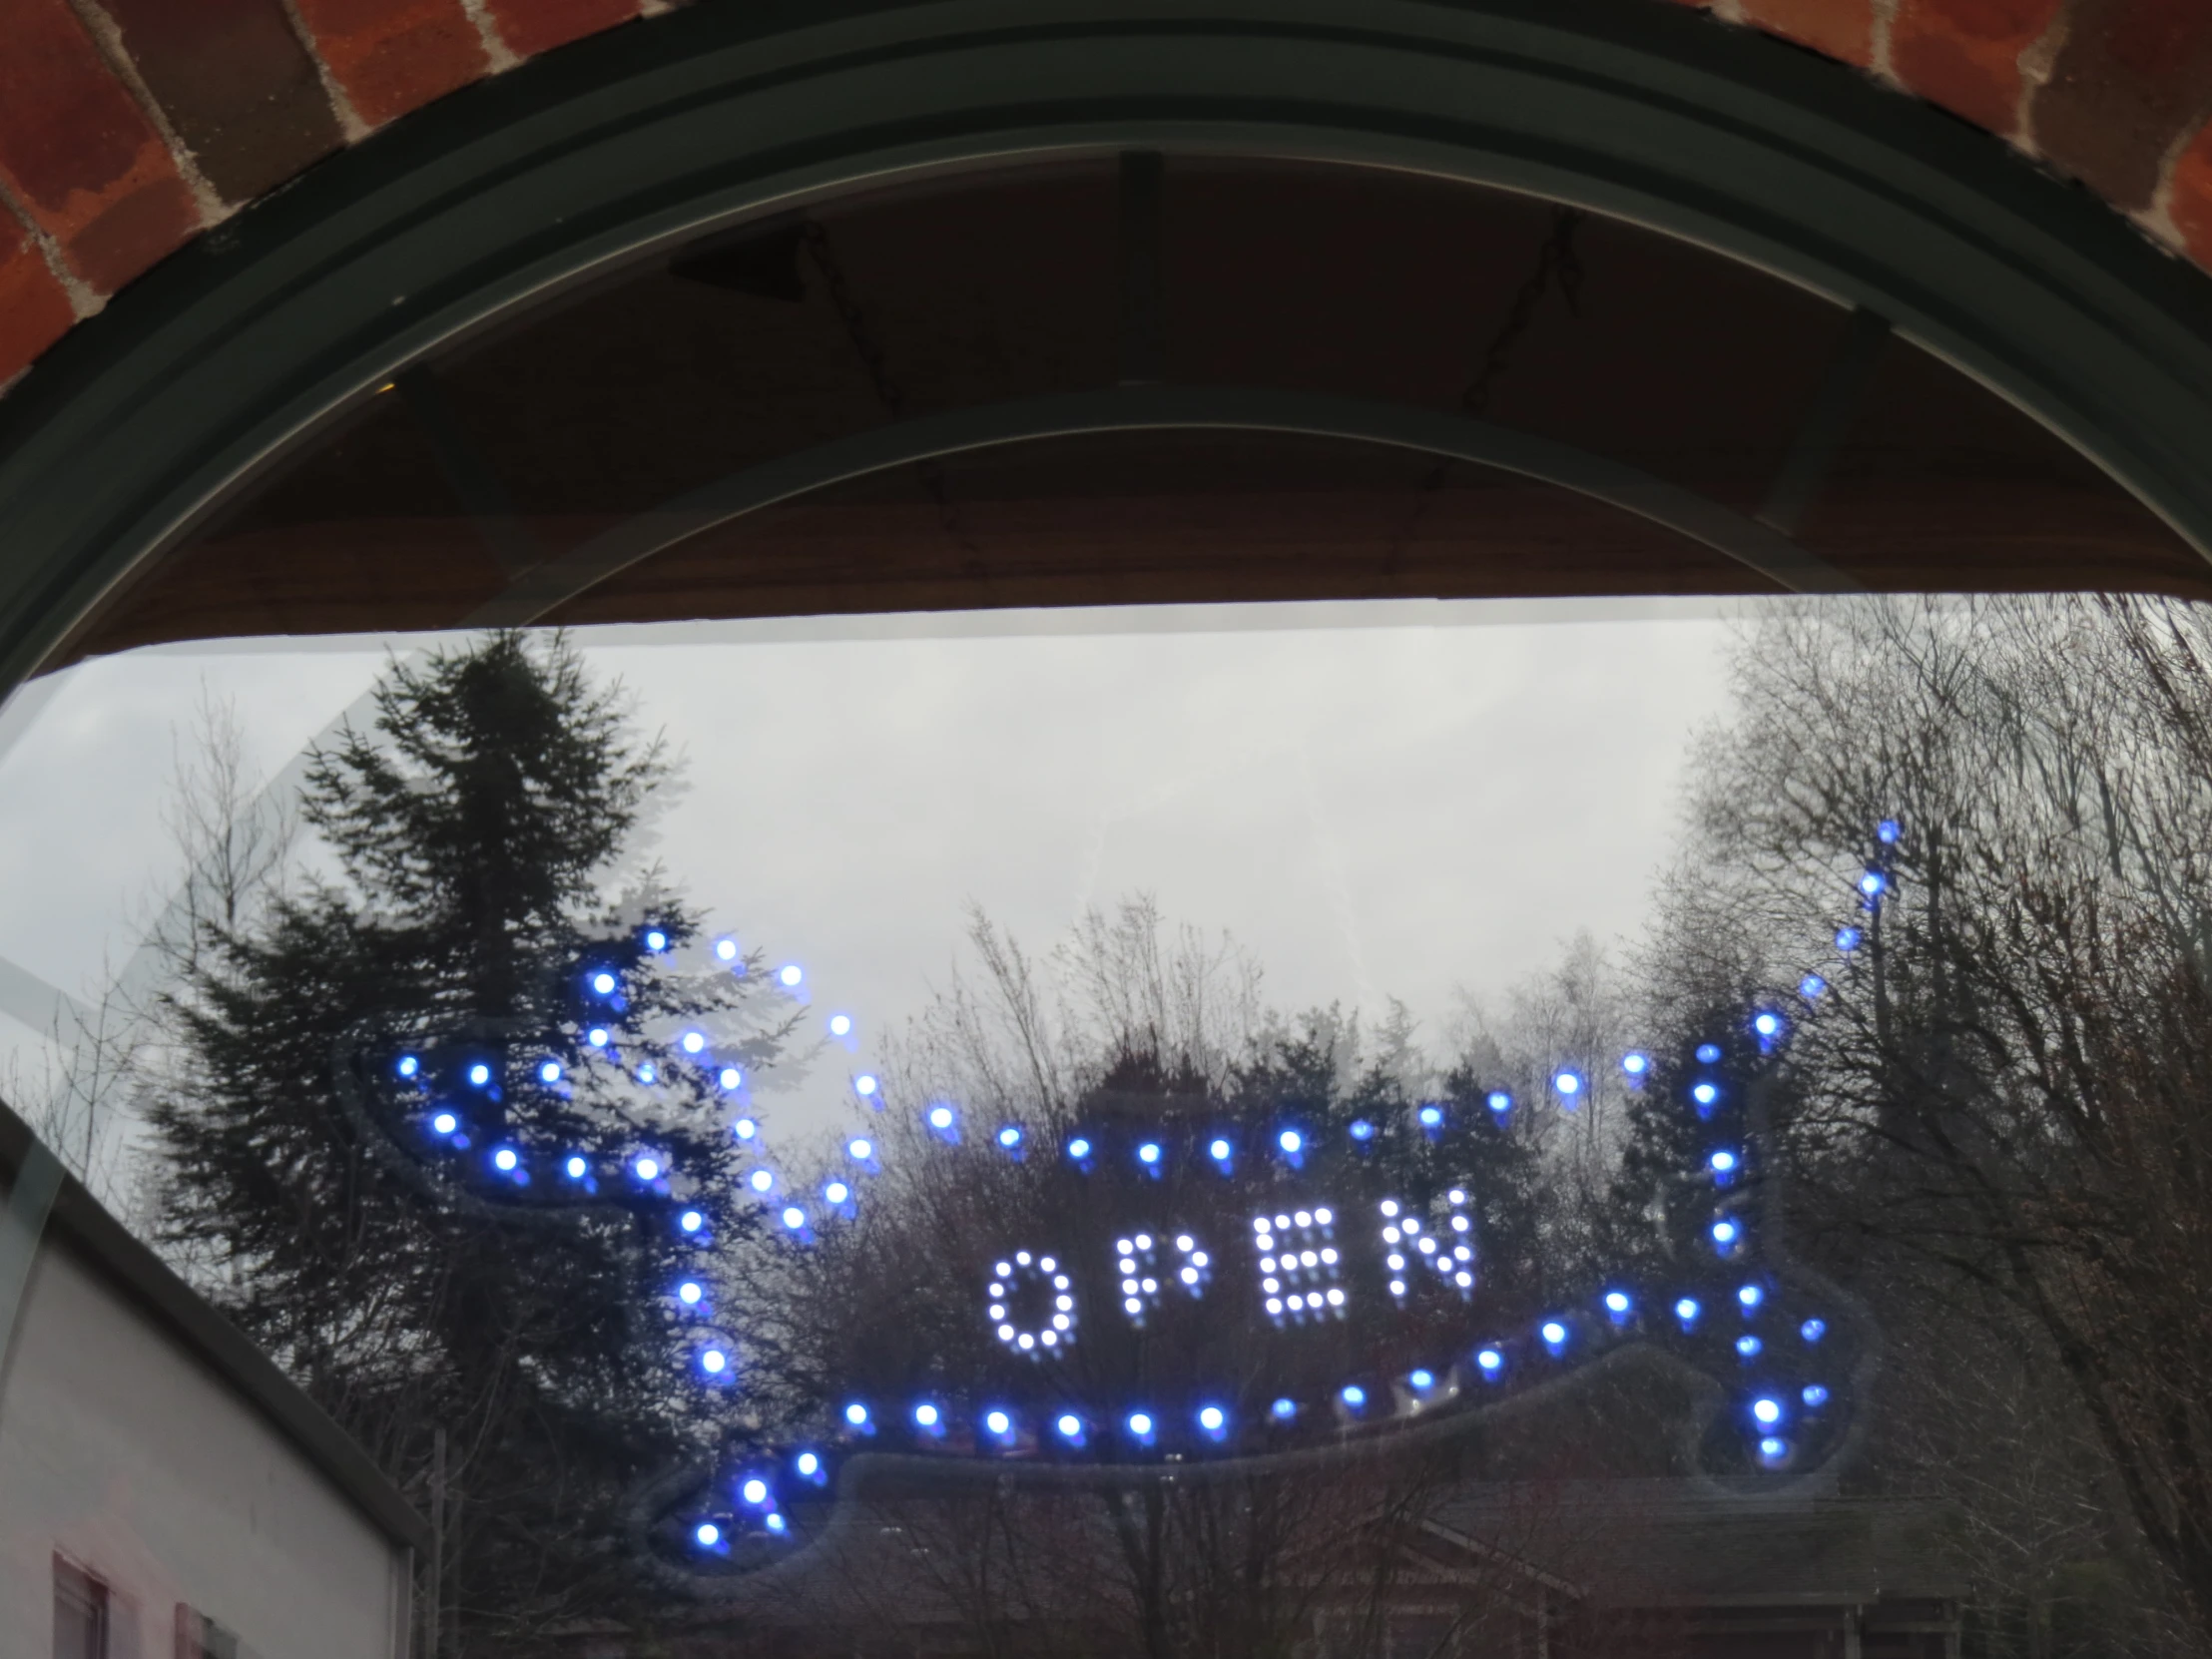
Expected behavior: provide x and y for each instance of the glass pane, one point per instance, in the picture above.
(833, 992)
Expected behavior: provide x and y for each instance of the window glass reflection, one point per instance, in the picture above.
(1181, 1130)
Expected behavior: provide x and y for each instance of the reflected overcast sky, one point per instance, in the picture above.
(1375, 800)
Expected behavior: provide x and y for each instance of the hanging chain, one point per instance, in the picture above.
(848, 312)
(1556, 261)
(871, 352)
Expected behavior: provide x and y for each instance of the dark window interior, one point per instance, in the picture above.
(80, 1613)
(430, 497)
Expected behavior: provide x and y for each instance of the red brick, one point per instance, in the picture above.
(392, 56)
(34, 311)
(2130, 79)
(237, 84)
(1965, 54)
(79, 153)
(2153, 40)
(532, 26)
(1841, 28)
(2190, 196)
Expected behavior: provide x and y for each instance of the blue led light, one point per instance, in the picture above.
(1773, 1449)
(790, 975)
(754, 1491)
(762, 1180)
(707, 1534)
(731, 1077)
(408, 1065)
(1812, 1330)
(726, 949)
(690, 1220)
(776, 1523)
(1872, 883)
(505, 1160)
(807, 1465)
(1886, 832)
(597, 1036)
(1847, 938)
(1567, 1083)
(446, 1123)
(655, 939)
(648, 1072)
(1708, 1053)
(479, 1074)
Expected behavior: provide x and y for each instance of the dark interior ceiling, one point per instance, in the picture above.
(423, 504)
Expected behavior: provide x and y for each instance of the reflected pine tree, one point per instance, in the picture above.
(382, 1079)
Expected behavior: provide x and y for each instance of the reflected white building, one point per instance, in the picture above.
(163, 1490)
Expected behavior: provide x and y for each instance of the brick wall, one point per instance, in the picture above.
(128, 127)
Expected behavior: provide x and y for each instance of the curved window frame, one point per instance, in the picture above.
(136, 428)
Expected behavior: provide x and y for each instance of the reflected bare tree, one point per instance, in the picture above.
(2003, 1104)
(1130, 1025)
(233, 846)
